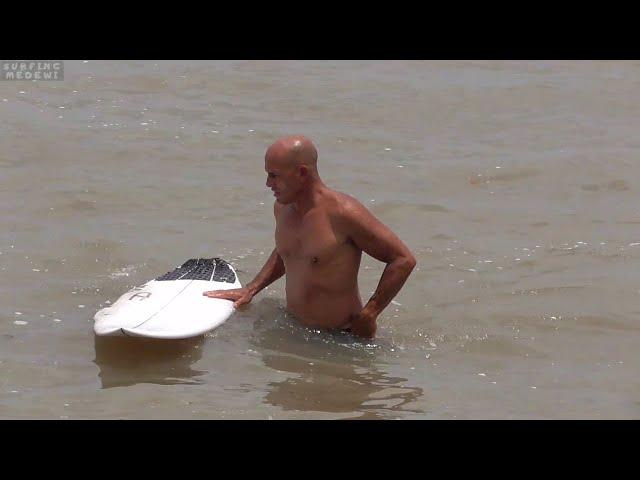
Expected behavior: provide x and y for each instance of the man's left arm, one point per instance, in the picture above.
(377, 240)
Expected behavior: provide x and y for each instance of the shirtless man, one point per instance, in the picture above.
(320, 236)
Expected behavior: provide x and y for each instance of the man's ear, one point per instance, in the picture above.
(304, 171)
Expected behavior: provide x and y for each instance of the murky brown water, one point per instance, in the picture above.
(515, 183)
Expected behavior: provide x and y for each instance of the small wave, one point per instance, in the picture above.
(122, 272)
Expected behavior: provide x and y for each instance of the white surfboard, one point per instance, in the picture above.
(172, 306)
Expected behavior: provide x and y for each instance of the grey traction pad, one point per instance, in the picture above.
(210, 269)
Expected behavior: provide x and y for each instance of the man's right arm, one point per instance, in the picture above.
(272, 270)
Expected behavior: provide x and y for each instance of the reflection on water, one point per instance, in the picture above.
(128, 361)
(331, 372)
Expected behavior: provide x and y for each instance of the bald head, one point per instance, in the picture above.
(293, 151)
(291, 164)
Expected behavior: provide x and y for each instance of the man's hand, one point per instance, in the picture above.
(239, 296)
(364, 324)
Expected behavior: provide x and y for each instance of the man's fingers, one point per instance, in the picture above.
(217, 294)
(238, 296)
(241, 302)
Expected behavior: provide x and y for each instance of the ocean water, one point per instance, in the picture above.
(513, 182)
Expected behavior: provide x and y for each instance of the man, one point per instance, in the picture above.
(320, 236)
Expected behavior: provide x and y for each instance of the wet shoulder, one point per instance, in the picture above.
(345, 207)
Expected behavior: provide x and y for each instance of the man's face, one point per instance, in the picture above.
(284, 180)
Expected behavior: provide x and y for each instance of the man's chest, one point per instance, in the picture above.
(312, 237)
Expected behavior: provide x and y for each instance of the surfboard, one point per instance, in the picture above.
(172, 306)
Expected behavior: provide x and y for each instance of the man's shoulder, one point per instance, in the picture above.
(345, 206)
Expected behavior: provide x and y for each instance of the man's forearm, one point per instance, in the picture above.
(271, 271)
(392, 280)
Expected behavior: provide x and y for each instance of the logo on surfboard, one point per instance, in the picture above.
(141, 295)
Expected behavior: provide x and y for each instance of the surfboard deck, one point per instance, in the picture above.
(172, 306)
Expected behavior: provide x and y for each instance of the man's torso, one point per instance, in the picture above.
(321, 265)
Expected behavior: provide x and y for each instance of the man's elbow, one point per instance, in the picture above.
(409, 263)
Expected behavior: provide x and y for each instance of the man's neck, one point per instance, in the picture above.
(310, 197)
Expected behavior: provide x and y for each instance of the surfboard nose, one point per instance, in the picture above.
(104, 326)
(106, 330)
